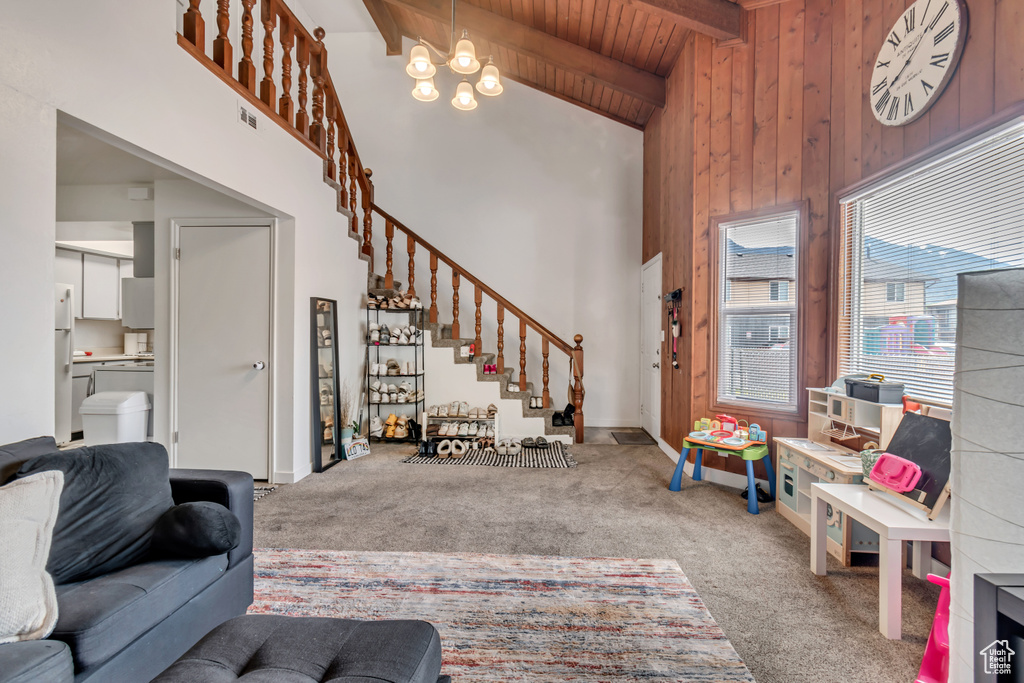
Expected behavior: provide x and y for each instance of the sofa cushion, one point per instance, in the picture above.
(99, 617)
(28, 510)
(197, 529)
(14, 455)
(36, 661)
(113, 495)
(265, 647)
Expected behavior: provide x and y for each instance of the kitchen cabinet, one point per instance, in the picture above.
(101, 287)
(126, 269)
(137, 303)
(67, 269)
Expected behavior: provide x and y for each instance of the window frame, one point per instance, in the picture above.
(899, 292)
(760, 410)
(780, 287)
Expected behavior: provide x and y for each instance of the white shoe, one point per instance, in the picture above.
(402, 397)
(432, 411)
(374, 327)
(464, 429)
(374, 397)
(408, 369)
(442, 410)
(453, 409)
(420, 395)
(458, 448)
(403, 340)
(375, 386)
(489, 433)
(394, 396)
(376, 426)
(463, 409)
(384, 398)
(473, 428)
(444, 449)
(513, 388)
(405, 386)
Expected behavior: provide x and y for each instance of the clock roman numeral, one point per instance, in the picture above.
(908, 105)
(882, 101)
(908, 20)
(894, 109)
(938, 16)
(928, 87)
(881, 64)
(894, 39)
(944, 33)
(940, 60)
(881, 86)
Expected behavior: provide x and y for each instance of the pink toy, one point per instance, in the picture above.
(935, 664)
(896, 473)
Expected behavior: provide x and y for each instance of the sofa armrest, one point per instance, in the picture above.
(231, 489)
(36, 661)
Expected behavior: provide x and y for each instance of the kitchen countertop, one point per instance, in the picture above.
(107, 355)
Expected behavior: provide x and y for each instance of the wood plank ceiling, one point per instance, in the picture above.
(607, 56)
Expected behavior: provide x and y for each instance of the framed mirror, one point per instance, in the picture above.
(323, 354)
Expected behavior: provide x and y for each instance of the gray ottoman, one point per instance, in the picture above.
(260, 648)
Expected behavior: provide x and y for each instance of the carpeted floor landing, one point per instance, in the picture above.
(752, 572)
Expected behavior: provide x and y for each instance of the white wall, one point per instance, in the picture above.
(138, 88)
(987, 520)
(537, 197)
(101, 203)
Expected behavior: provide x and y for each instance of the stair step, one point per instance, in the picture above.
(374, 281)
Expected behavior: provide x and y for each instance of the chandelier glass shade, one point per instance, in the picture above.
(425, 90)
(490, 82)
(420, 65)
(464, 98)
(464, 60)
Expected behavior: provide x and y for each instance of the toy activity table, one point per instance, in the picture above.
(895, 524)
(751, 451)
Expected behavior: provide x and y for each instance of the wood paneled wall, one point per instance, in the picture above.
(784, 119)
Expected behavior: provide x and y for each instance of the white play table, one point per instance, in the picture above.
(895, 524)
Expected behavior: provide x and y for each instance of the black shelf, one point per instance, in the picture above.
(418, 374)
(417, 378)
(378, 345)
(393, 403)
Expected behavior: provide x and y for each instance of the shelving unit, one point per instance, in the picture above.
(377, 353)
(434, 423)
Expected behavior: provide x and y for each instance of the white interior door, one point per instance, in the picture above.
(650, 347)
(223, 348)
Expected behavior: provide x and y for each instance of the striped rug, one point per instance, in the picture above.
(516, 617)
(556, 455)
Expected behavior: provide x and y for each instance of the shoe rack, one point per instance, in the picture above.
(377, 353)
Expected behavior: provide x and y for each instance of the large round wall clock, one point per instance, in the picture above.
(917, 59)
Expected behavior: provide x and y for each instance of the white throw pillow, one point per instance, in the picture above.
(28, 511)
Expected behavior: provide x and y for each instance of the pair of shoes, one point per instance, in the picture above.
(479, 413)
(490, 369)
(513, 387)
(325, 337)
(566, 418)
(458, 409)
(390, 424)
(762, 495)
(432, 411)
(427, 449)
(376, 427)
(375, 396)
(509, 447)
(489, 432)
(401, 428)
(492, 410)
(325, 396)
(452, 447)
(536, 401)
(326, 372)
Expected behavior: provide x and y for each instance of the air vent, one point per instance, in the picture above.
(247, 117)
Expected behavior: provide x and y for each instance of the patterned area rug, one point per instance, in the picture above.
(261, 491)
(556, 455)
(516, 617)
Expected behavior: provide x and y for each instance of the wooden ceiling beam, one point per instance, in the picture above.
(386, 24)
(611, 73)
(716, 18)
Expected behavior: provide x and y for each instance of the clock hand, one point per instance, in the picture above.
(910, 57)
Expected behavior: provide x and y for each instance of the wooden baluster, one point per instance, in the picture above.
(342, 163)
(410, 245)
(478, 298)
(222, 44)
(332, 169)
(246, 69)
(195, 27)
(433, 287)
(368, 217)
(522, 355)
(268, 89)
(302, 56)
(389, 277)
(578, 387)
(352, 183)
(501, 340)
(316, 71)
(284, 105)
(455, 304)
(544, 352)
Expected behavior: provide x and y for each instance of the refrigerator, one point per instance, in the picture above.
(64, 354)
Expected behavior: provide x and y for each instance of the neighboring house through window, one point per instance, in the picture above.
(895, 291)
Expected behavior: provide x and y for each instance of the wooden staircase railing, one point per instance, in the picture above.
(308, 107)
(548, 338)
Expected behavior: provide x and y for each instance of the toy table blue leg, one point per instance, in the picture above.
(677, 477)
(751, 491)
(767, 460)
(696, 464)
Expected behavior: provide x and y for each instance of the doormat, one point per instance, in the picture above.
(555, 456)
(637, 438)
(516, 618)
(261, 491)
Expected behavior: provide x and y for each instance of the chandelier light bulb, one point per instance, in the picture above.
(490, 82)
(420, 65)
(464, 99)
(465, 61)
(425, 90)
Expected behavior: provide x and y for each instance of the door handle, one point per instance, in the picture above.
(655, 365)
(258, 365)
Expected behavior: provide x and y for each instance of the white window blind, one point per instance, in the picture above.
(757, 311)
(905, 242)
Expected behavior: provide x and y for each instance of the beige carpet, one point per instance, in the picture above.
(752, 572)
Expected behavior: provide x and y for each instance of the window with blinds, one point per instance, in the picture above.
(905, 241)
(757, 311)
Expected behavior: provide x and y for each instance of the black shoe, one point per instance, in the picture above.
(762, 495)
(424, 445)
(557, 421)
(414, 429)
(431, 449)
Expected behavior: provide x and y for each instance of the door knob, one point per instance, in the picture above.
(258, 365)
(655, 365)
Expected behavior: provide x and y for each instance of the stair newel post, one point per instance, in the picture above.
(455, 304)
(317, 64)
(222, 44)
(367, 196)
(389, 234)
(332, 169)
(544, 353)
(268, 16)
(410, 245)
(284, 105)
(246, 69)
(302, 57)
(194, 27)
(478, 297)
(522, 355)
(433, 287)
(500, 361)
(577, 390)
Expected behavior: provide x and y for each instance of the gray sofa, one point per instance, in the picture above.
(131, 624)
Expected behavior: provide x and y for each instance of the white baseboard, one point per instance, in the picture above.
(736, 481)
(284, 477)
(611, 424)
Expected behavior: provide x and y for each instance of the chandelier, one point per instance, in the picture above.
(460, 60)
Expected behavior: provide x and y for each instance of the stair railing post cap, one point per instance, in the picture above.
(319, 33)
(578, 339)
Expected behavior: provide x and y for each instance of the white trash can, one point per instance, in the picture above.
(115, 417)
